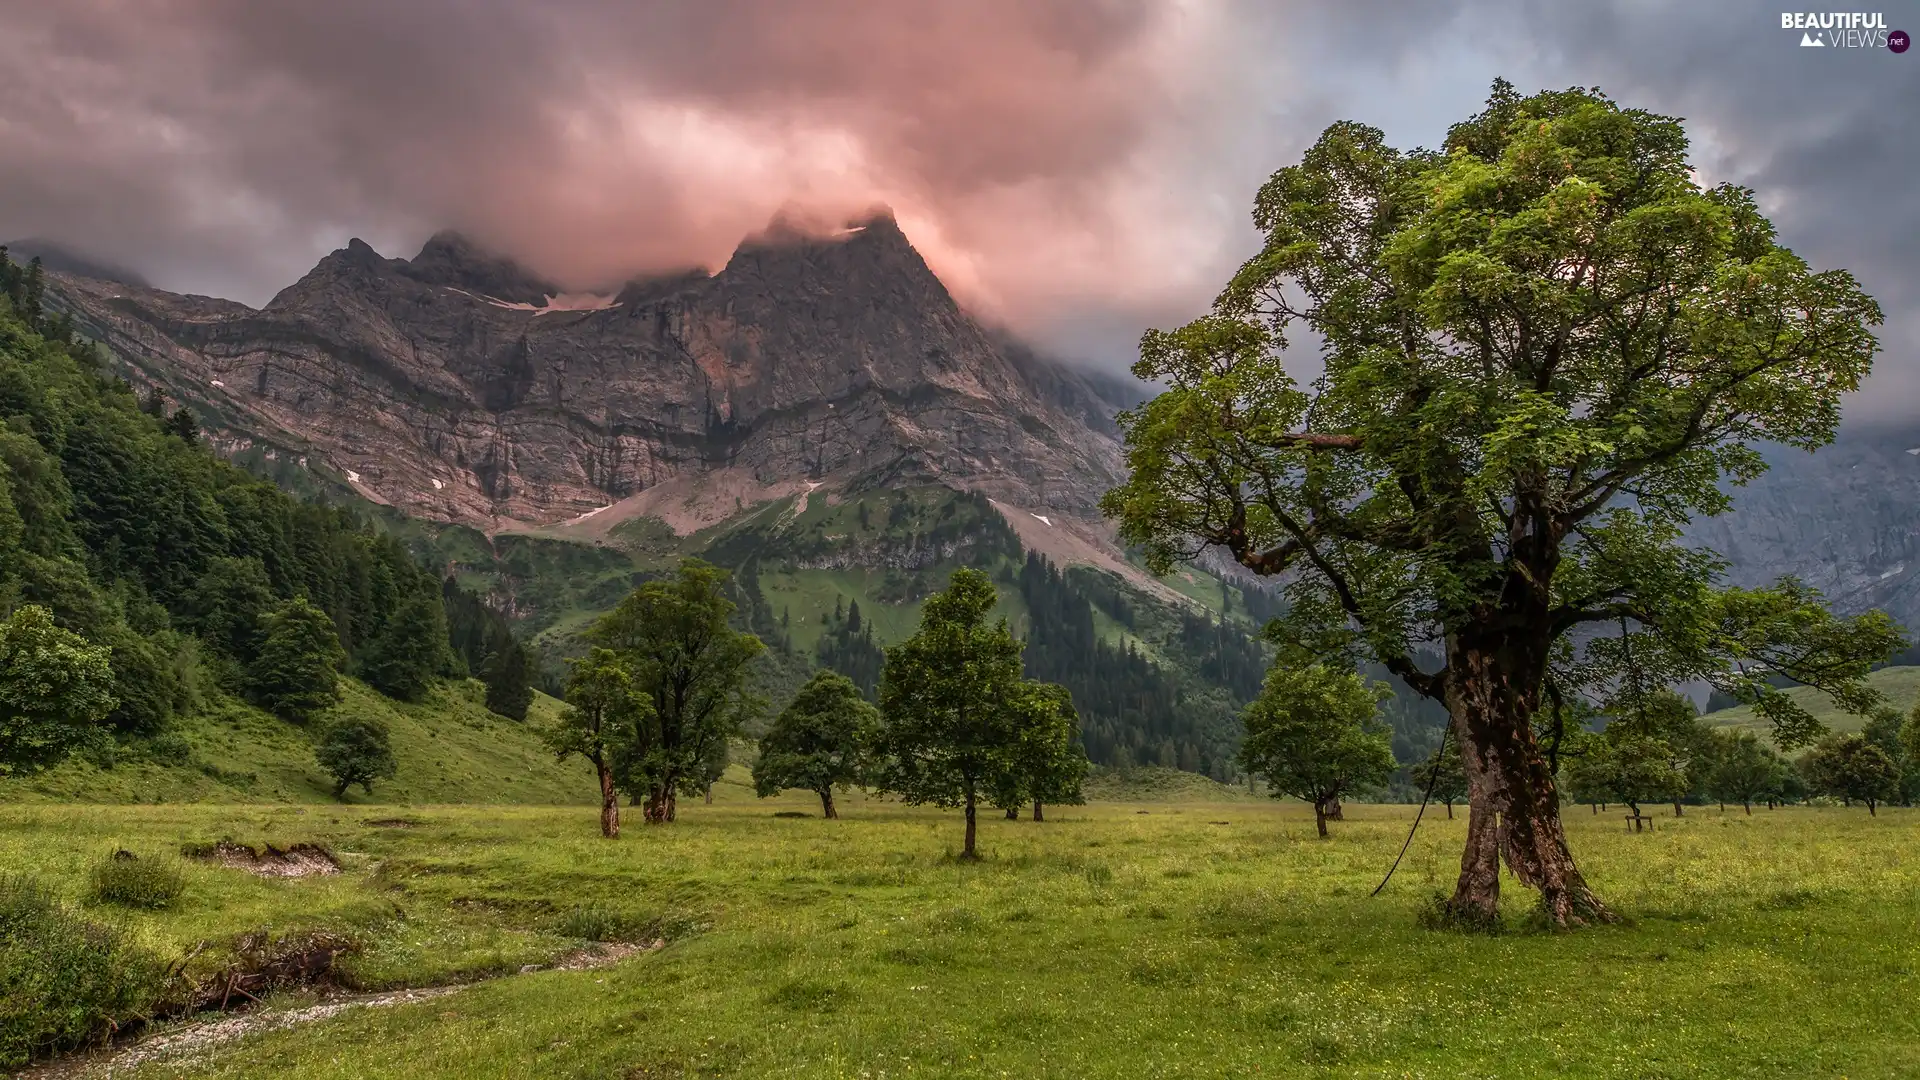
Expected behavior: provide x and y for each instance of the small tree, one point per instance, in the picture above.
(411, 650)
(55, 691)
(1313, 734)
(356, 750)
(1047, 764)
(1444, 774)
(1622, 765)
(601, 723)
(1850, 767)
(1671, 720)
(673, 635)
(507, 674)
(949, 699)
(820, 741)
(1744, 769)
(296, 673)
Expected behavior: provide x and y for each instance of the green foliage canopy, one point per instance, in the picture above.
(55, 690)
(1313, 734)
(674, 636)
(296, 674)
(949, 697)
(356, 750)
(1545, 349)
(820, 741)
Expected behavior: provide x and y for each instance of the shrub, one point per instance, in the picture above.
(126, 879)
(63, 980)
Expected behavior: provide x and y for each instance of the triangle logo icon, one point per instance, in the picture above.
(1808, 41)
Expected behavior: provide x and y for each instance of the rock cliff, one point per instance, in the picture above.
(459, 386)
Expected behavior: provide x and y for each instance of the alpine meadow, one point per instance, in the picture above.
(630, 640)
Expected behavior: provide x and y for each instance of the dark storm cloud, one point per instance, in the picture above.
(1078, 170)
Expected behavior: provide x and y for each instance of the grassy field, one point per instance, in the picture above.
(449, 748)
(1176, 939)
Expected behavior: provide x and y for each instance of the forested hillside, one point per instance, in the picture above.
(117, 520)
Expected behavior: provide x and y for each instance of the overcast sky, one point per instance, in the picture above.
(1076, 170)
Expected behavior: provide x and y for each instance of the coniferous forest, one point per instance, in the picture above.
(120, 521)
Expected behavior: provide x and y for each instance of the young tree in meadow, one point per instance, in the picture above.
(1047, 763)
(356, 750)
(949, 702)
(1745, 769)
(55, 692)
(1314, 734)
(1624, 766)
(602, 722)
(1444, 774)
(1850, 768)
(296, 673)
(1544, 350)
(1670, 720)
(673, 635)
(819, 742)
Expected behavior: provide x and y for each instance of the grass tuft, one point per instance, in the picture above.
(128, 880)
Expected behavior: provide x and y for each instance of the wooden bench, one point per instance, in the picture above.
(1636, 821)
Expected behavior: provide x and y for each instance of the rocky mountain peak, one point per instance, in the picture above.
(450, 258)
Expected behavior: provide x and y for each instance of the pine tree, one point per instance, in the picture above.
(508, 676)
(412, 649)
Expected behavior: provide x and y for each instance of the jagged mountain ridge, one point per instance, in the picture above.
(458, 386)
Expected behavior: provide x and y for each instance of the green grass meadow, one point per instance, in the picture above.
(1171, 938)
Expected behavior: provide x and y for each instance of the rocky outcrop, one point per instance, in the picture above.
(458, 387)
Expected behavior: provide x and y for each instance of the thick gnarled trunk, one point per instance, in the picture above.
(1513, 807)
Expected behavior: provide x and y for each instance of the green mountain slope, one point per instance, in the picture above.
(1900, 686)
(450, 749)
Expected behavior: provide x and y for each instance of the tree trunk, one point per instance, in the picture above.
(1748, 807)
(609, 803)
(709, 793)
(1676, 809)
(1320, 818)
(1037, 815)
(656, 805)
(1870, 809)
(673, 801)
(1333, 810)
(1013, 813)
(1449, 809)
(826, 803)
(967, 851)
(1514, 811)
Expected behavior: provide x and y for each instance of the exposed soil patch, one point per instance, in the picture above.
(188, 1042)
(300, 860)
(196, 1039)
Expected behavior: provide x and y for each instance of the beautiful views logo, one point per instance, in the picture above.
(1844, 30)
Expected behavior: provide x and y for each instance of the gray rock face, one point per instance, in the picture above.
(1846, 520)
(451, 386)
